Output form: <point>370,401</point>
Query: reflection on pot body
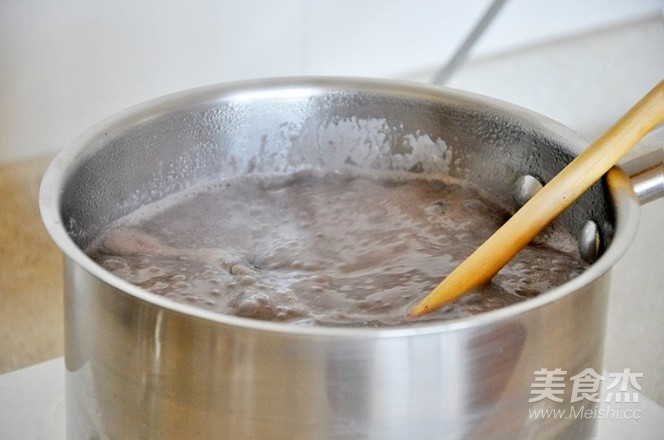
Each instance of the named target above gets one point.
<point>141,367</point>
<point>136,370</point>
<point>139,371</point>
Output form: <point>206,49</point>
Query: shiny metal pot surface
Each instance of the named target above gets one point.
<point>139,366</point>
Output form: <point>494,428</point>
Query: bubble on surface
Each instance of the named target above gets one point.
<point>317,248</point>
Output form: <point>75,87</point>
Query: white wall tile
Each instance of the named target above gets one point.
<point>65,64</point>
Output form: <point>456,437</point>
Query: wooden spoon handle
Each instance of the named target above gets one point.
<point>548,203</point>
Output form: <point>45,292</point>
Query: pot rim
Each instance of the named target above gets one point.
<point>625,202</point>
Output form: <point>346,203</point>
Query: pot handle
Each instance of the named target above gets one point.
<point>647,175</point>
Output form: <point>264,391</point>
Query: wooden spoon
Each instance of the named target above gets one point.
<point>548,203</point>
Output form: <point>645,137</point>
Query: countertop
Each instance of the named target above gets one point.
<point>31,322</point>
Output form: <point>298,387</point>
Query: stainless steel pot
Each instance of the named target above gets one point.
<point>140,366</point>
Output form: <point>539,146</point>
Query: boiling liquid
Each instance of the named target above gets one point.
<point>321,249</point>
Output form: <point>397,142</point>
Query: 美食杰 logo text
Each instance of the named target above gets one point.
<point>618,392</point>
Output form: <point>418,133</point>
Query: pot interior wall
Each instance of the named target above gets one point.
<point>182,142</point>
